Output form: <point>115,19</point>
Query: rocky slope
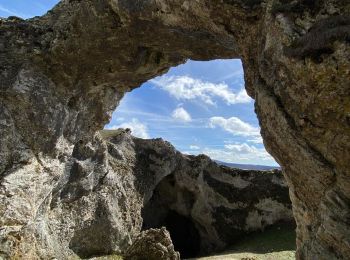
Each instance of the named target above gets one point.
<point>94,205</point>
<point>63,74</point>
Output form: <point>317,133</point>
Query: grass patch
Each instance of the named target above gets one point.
<point>274,239</point>
<point>275,243</point>
<point>110,133</point>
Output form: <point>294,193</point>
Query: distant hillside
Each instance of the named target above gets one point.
<point>248,166</point>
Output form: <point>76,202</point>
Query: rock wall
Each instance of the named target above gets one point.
<point>63,74</point>
<point>93,204</point>
<point>207,207</point>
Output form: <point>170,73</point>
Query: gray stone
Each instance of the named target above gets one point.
<point>153,244</point>
<point>64,73</point>
<point>93,204</point>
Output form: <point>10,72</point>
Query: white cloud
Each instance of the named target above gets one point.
<point>181,114</point>
<point>239,153</point>
<point>120,119</point>
<point>256,140</point>
<point>5,10</point>
<point>137,128</point>
<point>194,147</point>
<point>13,13</point>
<point>248,150</point>
<point>234,125</point>
<point>187,88</point>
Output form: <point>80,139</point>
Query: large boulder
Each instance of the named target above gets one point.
<point>152,244</point>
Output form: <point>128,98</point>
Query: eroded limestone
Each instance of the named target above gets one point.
<point>63,74</point>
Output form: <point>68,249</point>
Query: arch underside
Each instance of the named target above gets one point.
<point>64,73</point>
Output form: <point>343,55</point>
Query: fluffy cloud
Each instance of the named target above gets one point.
<point>187,88</point>
<point>239,153</point>
<point>234,125</point>
<point>137,128</point>
<point>194,147</point>
<point>181,114</point>
<point>256,140</point>
<point>248,150</point>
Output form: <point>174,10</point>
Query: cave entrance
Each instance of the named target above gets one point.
<point>162,210</point>
<point>184,234</point>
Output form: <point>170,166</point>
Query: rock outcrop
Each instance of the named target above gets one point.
<point>63,74</point>
<point>153,244</point>
<point>94,206</point>
<point>207,207</point>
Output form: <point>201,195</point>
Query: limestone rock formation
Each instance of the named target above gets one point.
<point>63,74</point>
<point>207,207</point>
<point>153,244</point>
<point>94,206</point>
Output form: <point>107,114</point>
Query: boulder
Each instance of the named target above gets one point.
<point>152,244</point>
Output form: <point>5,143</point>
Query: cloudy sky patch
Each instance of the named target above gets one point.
<point>215,117</point>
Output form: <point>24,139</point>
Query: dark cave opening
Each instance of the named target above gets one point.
<point>162,211</point>
<point>184,234</point>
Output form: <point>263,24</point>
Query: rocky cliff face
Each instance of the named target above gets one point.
<point>207,207</point>
<point>64,73</point>
<point>93,205</point>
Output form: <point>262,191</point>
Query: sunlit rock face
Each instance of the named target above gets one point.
<point>207,207</point>
<point>98,200</point>
<point>63,74</point>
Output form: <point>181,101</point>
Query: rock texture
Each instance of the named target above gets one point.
<point>64,73</point>
<point>93,206</point>
<point>207,207</point>
<point>153,244</point>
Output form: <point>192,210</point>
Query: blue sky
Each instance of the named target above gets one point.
<point>25,8</point>
<point>200,107</point>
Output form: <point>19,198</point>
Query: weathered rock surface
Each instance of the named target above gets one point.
<point>64,73</point>
<point>207,207</point>
<point>153,244</point>
<point>94,205</point>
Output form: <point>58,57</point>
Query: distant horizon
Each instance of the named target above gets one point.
<point>272,166</point>
<point>246,164</point>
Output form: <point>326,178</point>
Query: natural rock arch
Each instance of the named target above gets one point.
<point>64,73</point>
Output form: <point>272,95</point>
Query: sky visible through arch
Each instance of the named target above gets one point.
<point>200,107</point>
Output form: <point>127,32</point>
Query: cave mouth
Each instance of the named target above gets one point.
<point>183,233</point>
<point>161,211</point>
